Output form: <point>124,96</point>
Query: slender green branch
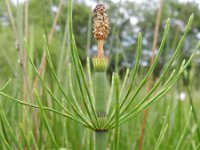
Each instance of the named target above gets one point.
<point>5,85</point>
<point>163,129</point>
<point>135,70</point>
<point>111,94</point>
<point>82,94</point>
<point>133,75</point>
<point>72,89</point>
<point>90,77</point>
<point>167,86</point>
<point>78,66</point>
<point>5,143</point>
<point>171,60</point>
<point>50,92</point>
<point>46,121</point>
<point>75,109</point>
<point>151,68</point>
<point>11,133</point>
<point>124,82</point>
<point>193,110</point>
<point>66,114</point>
<point>184,131</point>
<point>24,137</point>
<point>116,146</point>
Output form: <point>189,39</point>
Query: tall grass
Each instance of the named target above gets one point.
<point>68,114</point>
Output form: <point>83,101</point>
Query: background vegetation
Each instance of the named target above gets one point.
<point>171,124</point>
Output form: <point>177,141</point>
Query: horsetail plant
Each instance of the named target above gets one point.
<point>94,111</point>
<point>100,63</point>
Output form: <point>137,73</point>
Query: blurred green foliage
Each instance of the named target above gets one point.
<point>121,46</point>
<point>41,15</point>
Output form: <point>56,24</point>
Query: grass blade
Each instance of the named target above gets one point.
<point>46,121</point>
<point>184,131</point>
<point>7,125</point>
<point>163,130</point>
<point>8,147</point>
<point>24,137</point>
<point>5,85</point>
<point>34,142</point>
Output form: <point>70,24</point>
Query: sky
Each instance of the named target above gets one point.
<point>116,1</point>
<point>140,1</point>
<point>92,4</point>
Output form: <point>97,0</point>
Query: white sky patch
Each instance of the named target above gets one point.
<point>54,9</point>
<point>93,4</point>
<point>182,96</point>
<point>124,12</point>
<point>135,1</point>
<point>198,35</point>
<point>90,3</point>
<point>117,1</point>
<point>185,1</point>
<point>147,1</point>
<point>133,21</point>
<point>18,1</point>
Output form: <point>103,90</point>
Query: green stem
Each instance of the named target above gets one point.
<point>100,105</point>
<point>101,140</point>
<point>100,84</point>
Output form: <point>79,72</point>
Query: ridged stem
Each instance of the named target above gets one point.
<point>100,105</point>
<point>101,140</point>
<point>100,63</point>
<point>100,93</point>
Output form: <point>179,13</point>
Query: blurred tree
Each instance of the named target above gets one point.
<point>126,20</point>
<point>80,25</point>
